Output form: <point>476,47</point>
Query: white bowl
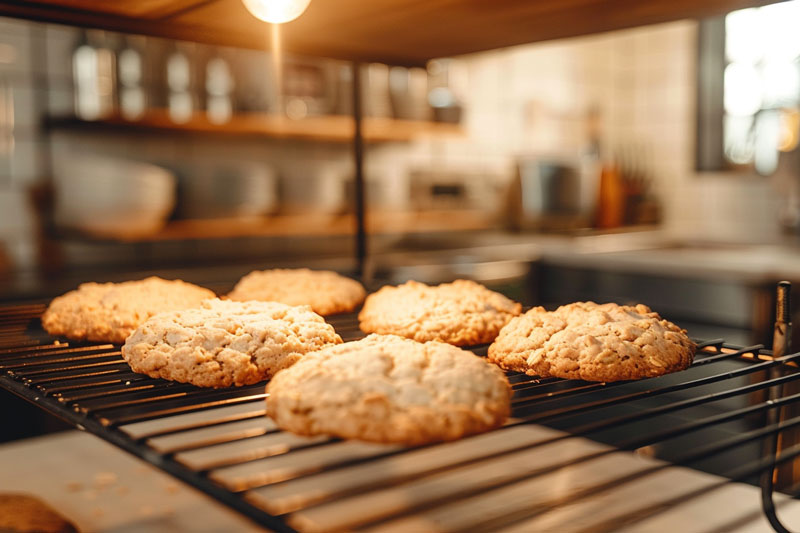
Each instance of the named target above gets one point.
<point>112,197</point>
<point>233,189</point>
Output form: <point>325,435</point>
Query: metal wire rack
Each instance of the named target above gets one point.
<point>726,415</point>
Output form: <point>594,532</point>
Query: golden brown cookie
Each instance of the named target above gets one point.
<point>462,313</point>
<point>223,343</point>
<point>389,389</point>
<point>109,312</point>
<point>593,342</point>
<point>325,291</point>
<point>21,513</point>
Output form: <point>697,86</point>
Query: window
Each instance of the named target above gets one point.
<point>756,53</point>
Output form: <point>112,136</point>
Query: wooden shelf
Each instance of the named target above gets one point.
<point>309,225</point>
<point>327,128</point>
<point>403,32</point>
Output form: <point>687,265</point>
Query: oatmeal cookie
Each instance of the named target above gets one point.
<point>325,291</point>
<point>109,312</point>
<point>462,313</point>
<point>390,389</point>
<point>593,342</point>
<point>223,343</point>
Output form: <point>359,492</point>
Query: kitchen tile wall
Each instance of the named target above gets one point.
<point>19,153</point>
<point>642,81</point>
<point>520,100</point>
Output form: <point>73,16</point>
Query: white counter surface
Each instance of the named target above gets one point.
<point>645,252</point>
<point>103,489</point>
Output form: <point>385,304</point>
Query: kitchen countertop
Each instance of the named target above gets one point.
<point>101,488</point>
<point>649,251</point>
<point>743,262</point>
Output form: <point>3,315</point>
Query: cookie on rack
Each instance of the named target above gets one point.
<point>593,342</point>
<point>325,291</point>
<point>462,313</point>
<point>22,513</point>
<point>223,343</point>
<point>390,389</point>
<point>109,312</point>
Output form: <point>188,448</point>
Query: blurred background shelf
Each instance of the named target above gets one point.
<point>305,225</point>
<point>324,128</point>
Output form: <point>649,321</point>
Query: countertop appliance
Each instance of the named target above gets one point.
<point>551,193</point>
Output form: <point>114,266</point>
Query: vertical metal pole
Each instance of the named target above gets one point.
<point>782,338</point>
<point>358,154</point>
<point>781,342</point>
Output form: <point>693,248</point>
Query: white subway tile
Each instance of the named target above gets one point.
<point>15,48</point>
<point>23,165</point>
<point>16,216</point>
<point>60,100</point>
<point>60,41</point>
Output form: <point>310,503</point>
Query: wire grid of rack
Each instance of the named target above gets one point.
<point>219,440</point>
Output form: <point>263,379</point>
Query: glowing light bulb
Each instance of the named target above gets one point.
<point>276,11</point>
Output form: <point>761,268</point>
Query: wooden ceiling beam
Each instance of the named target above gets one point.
<point>404,32</point>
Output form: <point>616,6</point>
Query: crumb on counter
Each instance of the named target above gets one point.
<point>104,479</point>
<point>74,486</point>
